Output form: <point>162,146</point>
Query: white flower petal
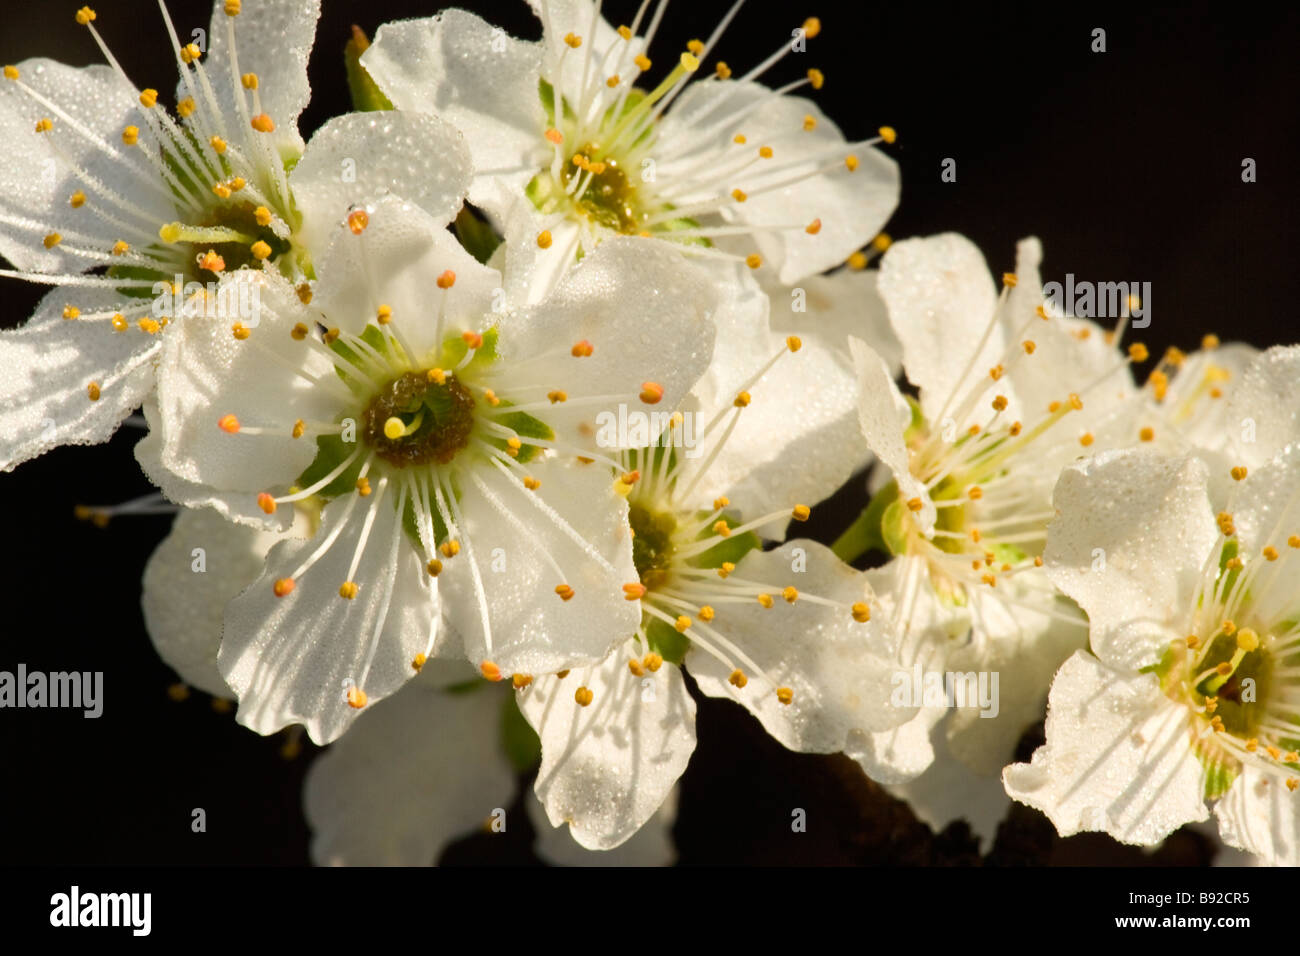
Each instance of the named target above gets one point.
<point>941,299</point>
<point>608,766</point>
<point>949,790</point>
<point>652,845</point>
<point>414,156</point>
<point>416,772</point>
<point>205,374</point>
<point>840,670</point>
<point>1258,814</point>
<point>883,417</point>
<point>184,606</point>
<point>648,317</point>
<point>273,38</point>
<point>1117,757</point>
<point>521,543</point>
<point>292,659</point>
<point>396,262</point>
<point>1263,409</point>
<point>851,206</point>
<point>38,183</point>
<point>47,367</point>
<point>901,753</point>
<point>804,410</point>
<point>1131,533</point>
<point>478,79</point>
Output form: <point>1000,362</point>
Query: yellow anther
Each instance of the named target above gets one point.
<point>520,681</point>
<point>513,446</point>
<point>861,612</point>
<point>766,601</point>
<point>1075,402</point>
<point>446,279</point>
<point>85,15</point>
<point>564,591</point>
<point>1138,352</point>
<point>1147,434</point>
<point>450,548</point>
<point>544,239</point>
<point>92,391</point>
<point>739,195</point>
<point>612,81</point>
<point>356,698</point>
<point>625,32</point>
<point>384,314</point>
<point>11,72</point>
<point>682,623</point>
<point>262,215</point>
<point>266,502</point>
<point>178,692</point>
<point>299,428</point>
<point>237,184</point>
<point>573,40</point>
<point>185,108</point>
<point>260,250</point>
<point>1210,342</point>
<point>119,322</point>
<point>52,240</point>
<point>71,312</point>
<point>418,662</point>
<point>583,696</point>
<point>888,134</point>
<point>222,190</point>
<point>816,78</point>
<point>1029,345</point>
<point>696,47</point>
<point>1041,312</point>
<point>190,53</point>
<point>790,593</point>
<point>651,393</point>
<point>557,395</point>
<point>811,27</point>
<point>433,567</point>
<point>721,502</point>
<point>1239,473</point>
<point>362,485</point>
<point>915,504</point>
<point>1224,669</point>
<point>726,569</point>
<point>1086,439</point>
<point>857,261</point>
<point>437,376</point>
<point>785,695</point>
<point>800,513</point>
<point>1000,403</point>
<point>989,579</point>
<point>723,71</point>
<point>228,424</point>
<point>739,139</point>
<point>249,81</point>
<point>1293,541</point>
<point>299,332</point>
<point>753,260</point>
<point>1247,640</point>
<point>738,678</point>
<point>707,613</point>
<point>554,135</point>
<point>689,62</point>
<point>722,529</point>
<point>348,590</point>
<point>813,227</point>
<point>765,152</point>
<point>652,661</point>
<point>262,123</point>
<point>490,670</point>
<point>742,400</point>
<point>636,667</point>
<point>240,331</point>
<point>851,162</point>
<point>232,8</point>
<point>394,428</point>
<point>1192,642</point>
<point>150,326</point>
<point>531,483</point>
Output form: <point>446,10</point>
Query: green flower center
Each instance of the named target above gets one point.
<point>653,547</point>
<point>416,421</point>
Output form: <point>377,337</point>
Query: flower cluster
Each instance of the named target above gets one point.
<point>497,404</point>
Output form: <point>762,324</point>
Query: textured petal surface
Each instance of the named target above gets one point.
<point>1132,531</point>
<point>416,772</point>
<point>607,767</point>
<point>293,659</point>
<point>1117,757</point>
<point>47,367</point>
<point>652,845</point>
<point>362,157</point>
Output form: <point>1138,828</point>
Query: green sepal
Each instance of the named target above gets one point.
<point>665,640</point>
<point>476,235</point>
<point>366,96</point>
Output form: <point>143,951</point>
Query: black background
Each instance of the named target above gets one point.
<point>1126,163</point>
